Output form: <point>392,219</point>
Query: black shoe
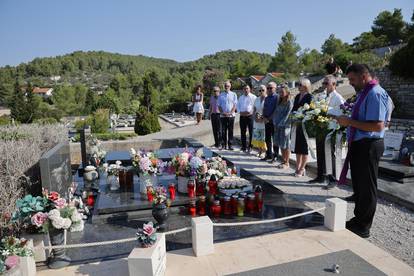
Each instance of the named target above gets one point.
<point>249,150</point>
<point>331,185</point>
<point>316,180</point>
<point>243,149</point>
<point>356,229</point>
<point>230,148</point>
<point>350,198</point>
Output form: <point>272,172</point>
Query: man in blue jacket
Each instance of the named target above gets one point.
<point>269,107</point>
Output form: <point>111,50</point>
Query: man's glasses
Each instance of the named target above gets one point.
<point>262,90</point>
<point>325,83</point>
<point>269,88</point>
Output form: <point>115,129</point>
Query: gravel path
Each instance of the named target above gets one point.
<point>393,226</point>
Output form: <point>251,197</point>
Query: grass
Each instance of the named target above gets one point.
<point>108,136</point>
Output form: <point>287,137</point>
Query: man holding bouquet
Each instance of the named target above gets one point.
<point>365,134</point>
<point>334,101</point>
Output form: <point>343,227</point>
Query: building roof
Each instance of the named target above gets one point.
<point>276,74</point>
<point>41,90</point>
<point>258,77</point>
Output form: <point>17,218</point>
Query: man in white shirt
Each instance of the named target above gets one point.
<point>334,100</point>
<point>245,107</point>
<point>227,104</point>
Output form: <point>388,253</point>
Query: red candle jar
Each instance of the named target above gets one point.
<point>171,190</point>
<point>91,200</point>
<point>216,209</point>
<point>192,209</point>
<point>258,193</point>
<point>234,203</point>
<point>200,187</point>
<point>212,185</point>
<point>227,208</point>
<point>191,188</point>
<point>234,170</point>
<point>202,206</point>
<point>150,195</point>
<point>251,203</point>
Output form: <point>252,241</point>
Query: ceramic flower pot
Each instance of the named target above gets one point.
<point>58,258</point>
<point>160,213</point>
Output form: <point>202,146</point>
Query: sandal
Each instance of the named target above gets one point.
<point>283,166</point>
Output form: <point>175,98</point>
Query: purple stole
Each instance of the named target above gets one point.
<point>352,130</point>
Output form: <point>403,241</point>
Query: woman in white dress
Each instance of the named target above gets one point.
<point>258,140</point>
<point>198,108</point>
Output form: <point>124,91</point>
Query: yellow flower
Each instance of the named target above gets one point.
<point>312,105</point>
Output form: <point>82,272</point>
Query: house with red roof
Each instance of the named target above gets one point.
<point>257,80</point>
<point>44,92</point>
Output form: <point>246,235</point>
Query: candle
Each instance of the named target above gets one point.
<point>216,209</point>
<point>240,207</point>
<point>171,190</point>
<point>192,209</point>
<point>202,206</point>
<point>191,188</point>
<point>227,206</point>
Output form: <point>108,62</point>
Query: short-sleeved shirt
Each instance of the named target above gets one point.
<point>214,104</point>
<point>227,101</point>
<point>246,103</point>
<point>375,107</point>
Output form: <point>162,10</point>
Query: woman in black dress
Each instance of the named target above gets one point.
<point>301,147</point>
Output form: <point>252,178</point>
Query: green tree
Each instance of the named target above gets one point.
<point>90,102</point>
<point>286,58</point>
<point>333,46</point>
<point>18,104</point>
<point>312,61</point>
<point>410,28</point>
<point>211,78</point>
<point>367,41</point>
<point>109,101</point>
<point>150,94</point>
<point>146,122</point>
<point>389,24</point>
<point>32,105</point>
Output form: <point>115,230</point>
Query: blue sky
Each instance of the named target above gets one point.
<point>181,30</point>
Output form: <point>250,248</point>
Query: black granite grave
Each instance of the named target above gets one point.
<point>349,264</point>
<point>117,215</point>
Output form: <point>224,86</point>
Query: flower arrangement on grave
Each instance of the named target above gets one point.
<point>113,169</point>
<point>50,210</point>
<point>96,151</point>
<point>146,162</point>
<point>216,166</point>
<point>11,249</point>
<point>147,234</point>
<point>180,164</point>
<point>198,167</point>
<point>160,196</point>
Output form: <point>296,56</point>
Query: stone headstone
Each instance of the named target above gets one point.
<point>55,168</point>
<point>393,140</point>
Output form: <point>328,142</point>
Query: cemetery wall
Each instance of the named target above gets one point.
<point>401,91</point>
<point>403,125</point>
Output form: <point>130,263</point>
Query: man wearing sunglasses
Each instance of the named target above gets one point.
<point>269,107</point>
<point>227,105</point>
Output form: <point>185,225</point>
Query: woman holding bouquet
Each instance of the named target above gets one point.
<point>258,140</point>
<point>281,122</point>
<point>300,146</point>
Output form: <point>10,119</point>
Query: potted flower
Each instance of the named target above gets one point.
<point>53,214</point>
<point>148,166</point>
<point>180,164</point>
<point>146,235</point>
<point>16,257</point>
<point>113,175</point>
<point>160,206</point>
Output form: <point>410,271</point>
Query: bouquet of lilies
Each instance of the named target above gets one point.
<point>146,162</point>
<point>315,116</point>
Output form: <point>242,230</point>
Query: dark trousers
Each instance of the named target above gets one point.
<point>246,122</point>
<point>227,124</point>
<point>272,149</point>
<point>320,155</point>
<point>216,125</point>
<point>364,158</point>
